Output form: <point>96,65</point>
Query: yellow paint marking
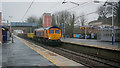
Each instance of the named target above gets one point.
<point>35,50</point>
<point>3,29</point>
<point>38,52</point>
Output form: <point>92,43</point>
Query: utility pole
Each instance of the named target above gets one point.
<point>85,32</point>
<point>70,2</point>
<point>11,30</point>
<point>112,26</point>
<point>64,29</point>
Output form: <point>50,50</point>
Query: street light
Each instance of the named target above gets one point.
<point>112,19</point>
<point>63,2</point>
<point>11,29</point>
<point>70,2</point>
<point>112,26</point>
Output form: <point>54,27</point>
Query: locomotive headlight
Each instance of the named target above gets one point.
<point>49,37</point>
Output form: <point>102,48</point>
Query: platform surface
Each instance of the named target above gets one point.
<point>18,54</point>
<point>25,53</point>
<point>93,43</point>
<point>0,54</point>
<point>55,58</point>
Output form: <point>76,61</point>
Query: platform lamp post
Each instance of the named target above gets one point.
<point>85,32</point>
<point>112,18</point>
<point>11,29</point>
<point>62,30</point>
<point>112,26</point>
<point>70,2</point>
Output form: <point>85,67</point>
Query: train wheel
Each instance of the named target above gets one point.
<point>47,41</point>
<point>59,42</point>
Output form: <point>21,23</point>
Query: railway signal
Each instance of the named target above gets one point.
<point>82,27</point>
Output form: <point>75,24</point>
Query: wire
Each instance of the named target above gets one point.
<point>66,9</point>
<point>27,9</point>
<point>55,5</point>
<point>89,13</point>
<point>86,14</point>
<point>76,6</point>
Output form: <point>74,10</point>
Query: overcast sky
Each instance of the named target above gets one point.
<point>17,8</point>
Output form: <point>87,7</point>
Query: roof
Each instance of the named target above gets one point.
<point>95,22</point>
<point>39,29</point>
<point>51,27</point>
<point>46,28</point>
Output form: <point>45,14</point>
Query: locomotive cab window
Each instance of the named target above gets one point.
<point>57,31</point>
<point>51,31</point>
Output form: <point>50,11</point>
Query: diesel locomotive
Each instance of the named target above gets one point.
<point>46,35</point>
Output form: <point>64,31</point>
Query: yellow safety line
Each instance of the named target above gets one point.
<point>36,51</point>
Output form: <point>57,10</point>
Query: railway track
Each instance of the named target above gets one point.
<point>87,60</point>
<point>95,61</point>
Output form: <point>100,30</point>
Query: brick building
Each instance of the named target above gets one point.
<point>46,20</point>
<point>0,29</point>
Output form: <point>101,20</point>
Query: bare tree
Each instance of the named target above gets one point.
<point>40,22</point>
<point>32,19</point>
<point>101,11</point>
<point>72,22</point>
<point>65,20</point>
<point>83,20</point>
<point>53,20</point>
<point>62,18</point>
<point>118,14</point>
<point>106,10</point>
<point>105,13</point>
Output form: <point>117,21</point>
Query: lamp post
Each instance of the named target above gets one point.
<point>112,26</point>
<point>70,2</point>
<point>112,19</point>
<point>62,30</point>
<point>85,33</point>
<point>11,30</point>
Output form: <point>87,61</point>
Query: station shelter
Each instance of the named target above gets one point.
<point>4,34</point>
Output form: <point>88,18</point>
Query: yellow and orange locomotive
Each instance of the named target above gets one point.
<point>52,33</point>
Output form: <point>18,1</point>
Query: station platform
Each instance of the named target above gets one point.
<point>18,54</point>
<point>25,53</point>
<point>0,54</point>
<point>92,43</point>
